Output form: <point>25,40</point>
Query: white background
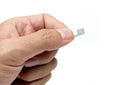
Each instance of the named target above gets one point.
<point>91,59</point>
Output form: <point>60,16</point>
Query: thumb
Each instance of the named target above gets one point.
<point>17,51</point>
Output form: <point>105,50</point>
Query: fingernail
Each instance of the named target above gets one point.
<point>66,34</point>
<point>32,62</point>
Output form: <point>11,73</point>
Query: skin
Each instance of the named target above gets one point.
<point>27,48</point>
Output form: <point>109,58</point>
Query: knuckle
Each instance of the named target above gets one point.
<point>51,39</point>
<point>47,35</point>
<point>50,35</point>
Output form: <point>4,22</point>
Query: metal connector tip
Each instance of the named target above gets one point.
<point>79,32</point>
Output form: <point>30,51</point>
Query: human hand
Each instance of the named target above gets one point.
<point>30,41</point>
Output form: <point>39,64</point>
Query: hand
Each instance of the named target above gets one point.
<point>30,41</point>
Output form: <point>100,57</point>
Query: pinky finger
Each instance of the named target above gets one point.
<point>41,81</point>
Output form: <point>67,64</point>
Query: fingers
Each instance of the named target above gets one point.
<point>41,81</point>
<point>32,23</point>
<point>40,59</point>
<point>23,48</point>
<point>44,21</point>
<point>20,49</point>
<point>37,72</point>
<point>26,38</point>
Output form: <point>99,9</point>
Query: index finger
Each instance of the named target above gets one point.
<point>45,21</point>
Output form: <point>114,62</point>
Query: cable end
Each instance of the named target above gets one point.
<point>79,32</point>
